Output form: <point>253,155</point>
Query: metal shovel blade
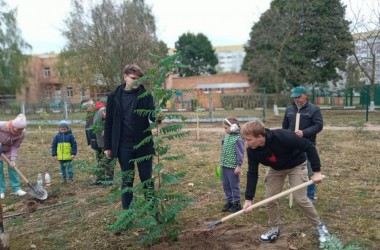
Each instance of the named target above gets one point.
<point>212,224</point>
<point>37,192</point>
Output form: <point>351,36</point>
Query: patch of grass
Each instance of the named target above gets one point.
<point>16,221</point>
<point>347,199</point>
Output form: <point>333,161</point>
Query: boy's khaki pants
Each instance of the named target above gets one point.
<point>274,182</point>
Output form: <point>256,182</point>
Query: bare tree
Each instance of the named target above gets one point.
<point>104,37</point>
<point>365,26</point>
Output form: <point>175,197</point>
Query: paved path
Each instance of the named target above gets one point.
<point>366,128</point>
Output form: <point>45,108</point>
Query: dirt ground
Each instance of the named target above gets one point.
<point>230,236</point>
<point>82,221</point>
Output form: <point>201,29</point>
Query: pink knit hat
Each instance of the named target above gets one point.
<point>19,122</point>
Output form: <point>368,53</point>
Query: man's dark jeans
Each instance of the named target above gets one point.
<point>125,155</point>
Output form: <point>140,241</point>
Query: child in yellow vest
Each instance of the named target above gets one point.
<point>64,149</point>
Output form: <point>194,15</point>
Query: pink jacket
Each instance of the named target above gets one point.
<point>11,143</point>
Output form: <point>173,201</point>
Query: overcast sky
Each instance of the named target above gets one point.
<point>223,22</point>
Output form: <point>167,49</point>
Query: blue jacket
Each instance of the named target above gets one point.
<point>64,146</point>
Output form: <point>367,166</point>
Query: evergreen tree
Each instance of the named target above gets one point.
<point>298,42</point>
<point>197,53</point>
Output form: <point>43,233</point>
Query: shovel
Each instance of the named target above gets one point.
<point>212,224</point>
<point>36,191</point>
<point>4,237</point>
<point>298,115</point>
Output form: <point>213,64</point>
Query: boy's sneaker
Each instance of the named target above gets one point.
<point>323,233</point>
<point>71,179</point>
<point>270,236</point>
<point>235,207</point>
<point>227,206</point>
<point>63,181</point>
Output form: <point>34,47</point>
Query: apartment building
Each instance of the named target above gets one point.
<point>230,58</point>
<point>367,47</point>
<point>44,85</point>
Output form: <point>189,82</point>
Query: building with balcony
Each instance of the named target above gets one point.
<point>367,50</point>
<point>230,58</point>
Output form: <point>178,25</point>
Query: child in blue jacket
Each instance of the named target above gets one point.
<point>64,148</point>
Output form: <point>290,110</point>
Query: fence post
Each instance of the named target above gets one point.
<point>23,108</point>
<point>210,107</point>
<point>65,110</point>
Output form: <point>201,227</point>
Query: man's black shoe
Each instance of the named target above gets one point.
<point>227,206</point>
<point>236,206</point>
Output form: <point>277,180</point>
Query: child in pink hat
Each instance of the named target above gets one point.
<point>12,133</point>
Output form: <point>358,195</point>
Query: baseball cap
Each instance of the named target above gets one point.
<point>297,91</point>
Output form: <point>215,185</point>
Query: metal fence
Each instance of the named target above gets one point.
<point>244,106</point>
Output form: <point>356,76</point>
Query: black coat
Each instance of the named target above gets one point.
<point>311,121</point>
<point>113,121</point>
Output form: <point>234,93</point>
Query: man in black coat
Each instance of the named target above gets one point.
<point>124,129</point>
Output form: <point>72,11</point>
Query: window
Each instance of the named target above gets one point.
<point>69,92</point>
<point>82,93</point>
<point>57,95</point>
<point>46,72</point>
<point>207,91</point>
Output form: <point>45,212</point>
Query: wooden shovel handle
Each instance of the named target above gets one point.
<point>297,122</point>
<point>274,197</point>
<point>15,168</point>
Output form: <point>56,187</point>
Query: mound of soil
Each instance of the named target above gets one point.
<point>228,236</point>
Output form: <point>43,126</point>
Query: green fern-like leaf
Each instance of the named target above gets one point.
<point>174,157</point>
<point>143,142</point>
<point>164,150</point>
<point>142,158</point>
<point>170,178</point>
<point>158,167</point>
<point>177,135</point>
<point>143,112</point>
<point>171,128</point>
